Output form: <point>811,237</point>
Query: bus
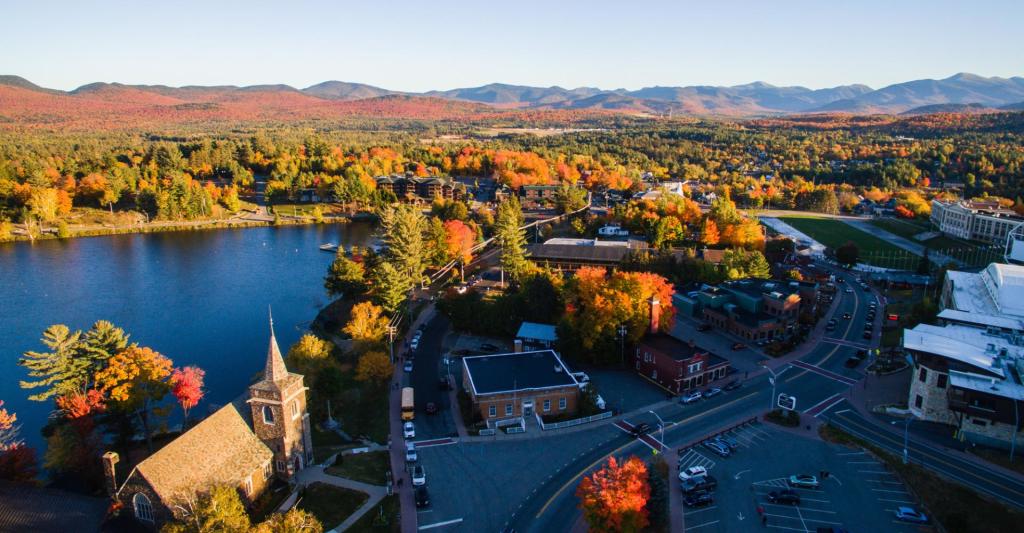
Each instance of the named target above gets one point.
<point>408,407</point>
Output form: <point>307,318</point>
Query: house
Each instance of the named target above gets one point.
<point>25,507</point>
<point>259,436</point>
<point>677,366</point>
<point>536,195</point>
<point>534,336</point>
<point>520,384</point>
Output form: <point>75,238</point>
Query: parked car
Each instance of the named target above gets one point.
<point>431,408</point>
<point>415,344</point>
<point>692,472</point>
<point>833,321</point>
<point>909,514</point>
<point>706,483</point>
<point>848,290</point>
<point>787,496</point>
<point>600,403</point>
<point>704,327</point>
<point>846,316</point>
<point>806,481</point>
<point>733,385</point>
<point>407,366</point>
<point>422,496</point>
<point>861,354</point>
<point>640,429</point>
<point>852,362</point>
<point>738,346</point>
<point>732,443</point>
<point>409,430</point>
<point>690,397</point>
<point>718,448</point>
<point>698,499</point>
<point>416,336</point>
<point>488,347</point>
<point>830,327</point>
<point>410,453</point>
<point>711,393</point>
<point>419,476</point>
<point>867,335</point>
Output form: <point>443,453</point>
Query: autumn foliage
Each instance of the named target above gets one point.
<point>187,386</point>
<point>459,238</point>
<point>614,498</point>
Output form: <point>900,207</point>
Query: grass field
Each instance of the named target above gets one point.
<point>369,467</point>
<point>331,505</point>
<point>382,519</point>
<point>902,228</point>
<point>835,233</point>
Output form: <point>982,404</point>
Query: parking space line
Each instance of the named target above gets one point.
<point>863,463</point>
<point>700,510</point>
<point>440,524</point>
<point>789,528</point>
<point>853,453</point>
<point>887,490</point>
<point>895,501</point>
<point>883,481</point>
<point>705,524</point>
<point>875,472</point>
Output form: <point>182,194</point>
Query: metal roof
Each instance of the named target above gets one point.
<point>536,331</point>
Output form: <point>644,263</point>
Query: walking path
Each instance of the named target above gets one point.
<point>316,474</point>
<point>895,240</point>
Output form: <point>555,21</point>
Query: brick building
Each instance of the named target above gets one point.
<point>677,366</point>
<point>756,309</point>
<point>510,385</point>
<point>244,444</point>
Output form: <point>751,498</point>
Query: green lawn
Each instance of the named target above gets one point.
<point>369,467</point>
<point>900,227</point>
<point>331,505</point>
<point>383,518</point>
<point>835,233</point>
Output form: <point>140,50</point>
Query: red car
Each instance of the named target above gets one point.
<point>739,346</point>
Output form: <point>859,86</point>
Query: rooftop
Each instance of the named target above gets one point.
<point>1009,388</point>
<point>541,332</point>
<point>669,345</point>
<point>996,290</point>
<point>573,252</point>
<point>969,345</point>
<point>28,508</point>
<point>982,320</point>
<point>507,372</point>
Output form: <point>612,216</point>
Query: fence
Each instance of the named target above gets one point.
<point>574,422</point>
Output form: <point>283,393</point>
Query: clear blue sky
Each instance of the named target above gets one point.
<point>438,44</point>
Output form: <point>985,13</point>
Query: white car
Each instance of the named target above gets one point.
<point>599,402</point>
<point>410,453</point>
<point>407,366</point>
<point>909,514</point>
<point>692,472</point>
<point>691,397</point>
<point>419,476</point>
<point>415,344</point>
<point>848,291</point>
<point>409,430</point>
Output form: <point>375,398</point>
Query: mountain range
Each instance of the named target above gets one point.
<point>24,101</point>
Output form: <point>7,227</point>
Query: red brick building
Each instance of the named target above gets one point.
<point>677,366</point>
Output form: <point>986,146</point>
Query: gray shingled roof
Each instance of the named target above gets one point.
<point>28,508</point>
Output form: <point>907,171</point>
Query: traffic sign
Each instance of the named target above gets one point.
<point>787,402</point>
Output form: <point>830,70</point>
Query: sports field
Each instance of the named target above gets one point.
<point>835,233</point>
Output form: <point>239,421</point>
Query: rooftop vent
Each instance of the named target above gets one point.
<point>558,368</point>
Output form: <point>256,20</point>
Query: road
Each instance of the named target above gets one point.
<point>819,381</point>
<point>424,380</point>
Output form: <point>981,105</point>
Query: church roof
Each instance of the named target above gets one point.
<point>28,508</point>
<point>222,449</point>
<point>275,369</point>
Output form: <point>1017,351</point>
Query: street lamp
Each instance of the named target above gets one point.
<point>661,423</point>
<point>622,345</point>
<point>774,377</point>
<point>906,434</point>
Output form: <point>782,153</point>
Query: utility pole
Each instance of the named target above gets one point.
<point>772,380</point>
<point>391,341</point>
<point>622,345</point>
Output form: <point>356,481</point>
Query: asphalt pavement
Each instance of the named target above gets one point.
<point>427,368</point>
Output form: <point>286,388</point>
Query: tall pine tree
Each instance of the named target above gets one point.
<point>511,238</point>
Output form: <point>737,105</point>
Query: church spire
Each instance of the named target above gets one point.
<point>275,369</point>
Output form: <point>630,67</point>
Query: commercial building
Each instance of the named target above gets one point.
<point>975,220</point>
<point>675,365</point>
<point>412,188</point>
<point>570,254</point>
<point>512,385</point>
<point>998,290</point>
<point>751,309</point>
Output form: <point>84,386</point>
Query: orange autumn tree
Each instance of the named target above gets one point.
<point>614,498</point>
<point>133,380</point>
<point>459,239</point>
<point>710,235</point>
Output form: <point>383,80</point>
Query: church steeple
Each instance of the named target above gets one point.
<point>275,369</point>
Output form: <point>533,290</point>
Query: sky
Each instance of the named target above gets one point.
<point>441,44</point>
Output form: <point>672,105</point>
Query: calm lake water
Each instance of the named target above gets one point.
<point>197,297</point>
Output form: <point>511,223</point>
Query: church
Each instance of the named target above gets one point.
<point>258,436</point>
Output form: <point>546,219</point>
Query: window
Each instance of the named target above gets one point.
<point>654,374</point>
<point>547,405</point>
<point>267,471</point>
<point>508,409</point>
<point>638,365</point>
<point>561,404</point>
<point>280,466</point>
<point>695,368</point>
<point>295,409</point>
<point>918,401</point>
<point>923,376</point>
<point>941,381</point>
<point>268,414</point>
<point>492,411</point>
<point>248,487</point>
<point>143,509</point>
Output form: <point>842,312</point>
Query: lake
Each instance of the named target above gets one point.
<point>200,298</point>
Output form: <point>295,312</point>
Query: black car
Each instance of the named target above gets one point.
<point>422,496</point>
<point>698,499</point>
<point>704,327</point>
<point>788,496</point>
<point>852,362</point>
<point>867,335</point>
<point>640,429</point>
<point>698,484</point>
<point>861,354</point>
<point>732,385</point>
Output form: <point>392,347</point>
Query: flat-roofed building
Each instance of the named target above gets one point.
<point>975,220</point>
<point>511,385</point>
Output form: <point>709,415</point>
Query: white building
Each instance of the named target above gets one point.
<point>998,290</point>
<point>979,221</point>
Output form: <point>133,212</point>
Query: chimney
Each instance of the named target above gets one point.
<point>109,472</point>
<point>518,345</point>
<point>655,314</point>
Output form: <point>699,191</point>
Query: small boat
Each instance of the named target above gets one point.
<point>329,247</point>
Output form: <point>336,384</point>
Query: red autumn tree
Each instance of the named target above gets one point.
<point>76,406</point>
<point>187,387</point>
<point>614,497</point>
<point>459,238</point>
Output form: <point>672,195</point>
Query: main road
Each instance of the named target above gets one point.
<point>819,380</point>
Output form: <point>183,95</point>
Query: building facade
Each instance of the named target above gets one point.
<point>974,220</point>
<point>755,309</point>
<point>511,385</point>
<point>413,188</point>
<point>677,366</point>
<point>260,435</point>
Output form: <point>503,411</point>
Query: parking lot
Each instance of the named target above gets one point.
<point>857,494</point>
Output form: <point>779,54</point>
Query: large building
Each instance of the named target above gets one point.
<point>675,365</point>
<point>751,309</point>
<point>244,444</point>
<point>412,188</point>
<point>974,220</point>
<point>570,254</point>
<point>511,385</point>
<point>967,370</point>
